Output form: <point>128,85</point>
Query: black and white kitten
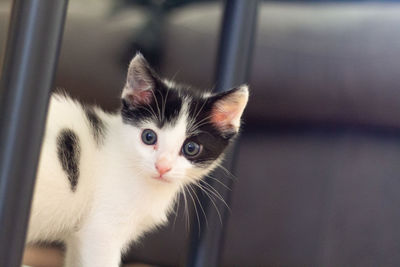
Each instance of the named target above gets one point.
<point>105,179</point>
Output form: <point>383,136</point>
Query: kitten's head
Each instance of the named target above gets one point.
<point>179,134</point>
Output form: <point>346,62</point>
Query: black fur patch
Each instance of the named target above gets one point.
<point>97,126</point>
<point>206,134</point>
<point>163,109</point>
<point>69,150</point>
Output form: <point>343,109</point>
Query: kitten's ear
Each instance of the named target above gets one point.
<point>140,82</point>
<point>228,109</point>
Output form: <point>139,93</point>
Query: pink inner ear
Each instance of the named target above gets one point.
<point>223,116</point>
<point>141,97</point>
<point>227,111</point>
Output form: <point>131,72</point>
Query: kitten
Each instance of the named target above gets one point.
<point>106,179</point>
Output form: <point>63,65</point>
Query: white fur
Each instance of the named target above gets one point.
<point>116,199</point>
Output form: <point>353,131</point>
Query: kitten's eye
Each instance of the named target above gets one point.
<point>191,149</point>
<point>149,137</point>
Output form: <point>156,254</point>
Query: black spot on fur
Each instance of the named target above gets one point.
<point>97,126</point>
<point>68,150</point>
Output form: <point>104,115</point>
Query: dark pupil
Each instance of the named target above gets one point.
<point>149,137</point>
<point>191,147</point>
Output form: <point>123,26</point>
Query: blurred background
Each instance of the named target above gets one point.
<point>318,166</point>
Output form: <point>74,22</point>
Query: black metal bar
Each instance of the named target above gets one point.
<point>235,51</point>
<point>30,60</point>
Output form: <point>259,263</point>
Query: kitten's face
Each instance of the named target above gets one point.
<point>179,135</point>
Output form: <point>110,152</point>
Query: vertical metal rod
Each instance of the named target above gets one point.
<point>30,60</point>
<point>235,51</point>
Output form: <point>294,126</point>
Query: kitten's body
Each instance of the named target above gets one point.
<point>105,175</point>
<point>97,186</point>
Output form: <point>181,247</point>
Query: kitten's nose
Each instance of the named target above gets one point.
<point>163,166</point>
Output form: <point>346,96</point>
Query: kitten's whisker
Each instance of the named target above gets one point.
<point>165,101</point>
<point>174,76</point>
<point>214,192</point>
<point>178,200</point>
<point>201,108</point>
<point>227,172</point>
<point>224,185</point>
<point>201,124</point>
<point>212,201</point>
<point>201,206</point>
<point>158,107</point>
<point>195,108</point>
<point>162,106</point>
<point>217,195</point>
<point>151,111</point>
<point>196,125</point>
<point>186,211</point>
<point>205,118</point>
<point>193,128</point>
<point>195,209</point>
<point>209,188</point>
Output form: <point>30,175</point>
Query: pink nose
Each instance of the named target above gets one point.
<point>162,167</point>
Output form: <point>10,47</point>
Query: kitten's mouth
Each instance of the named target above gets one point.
<point>161,179</point>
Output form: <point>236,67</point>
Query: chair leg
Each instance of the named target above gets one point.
<point>29,65</point>
<point>235,51</point>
